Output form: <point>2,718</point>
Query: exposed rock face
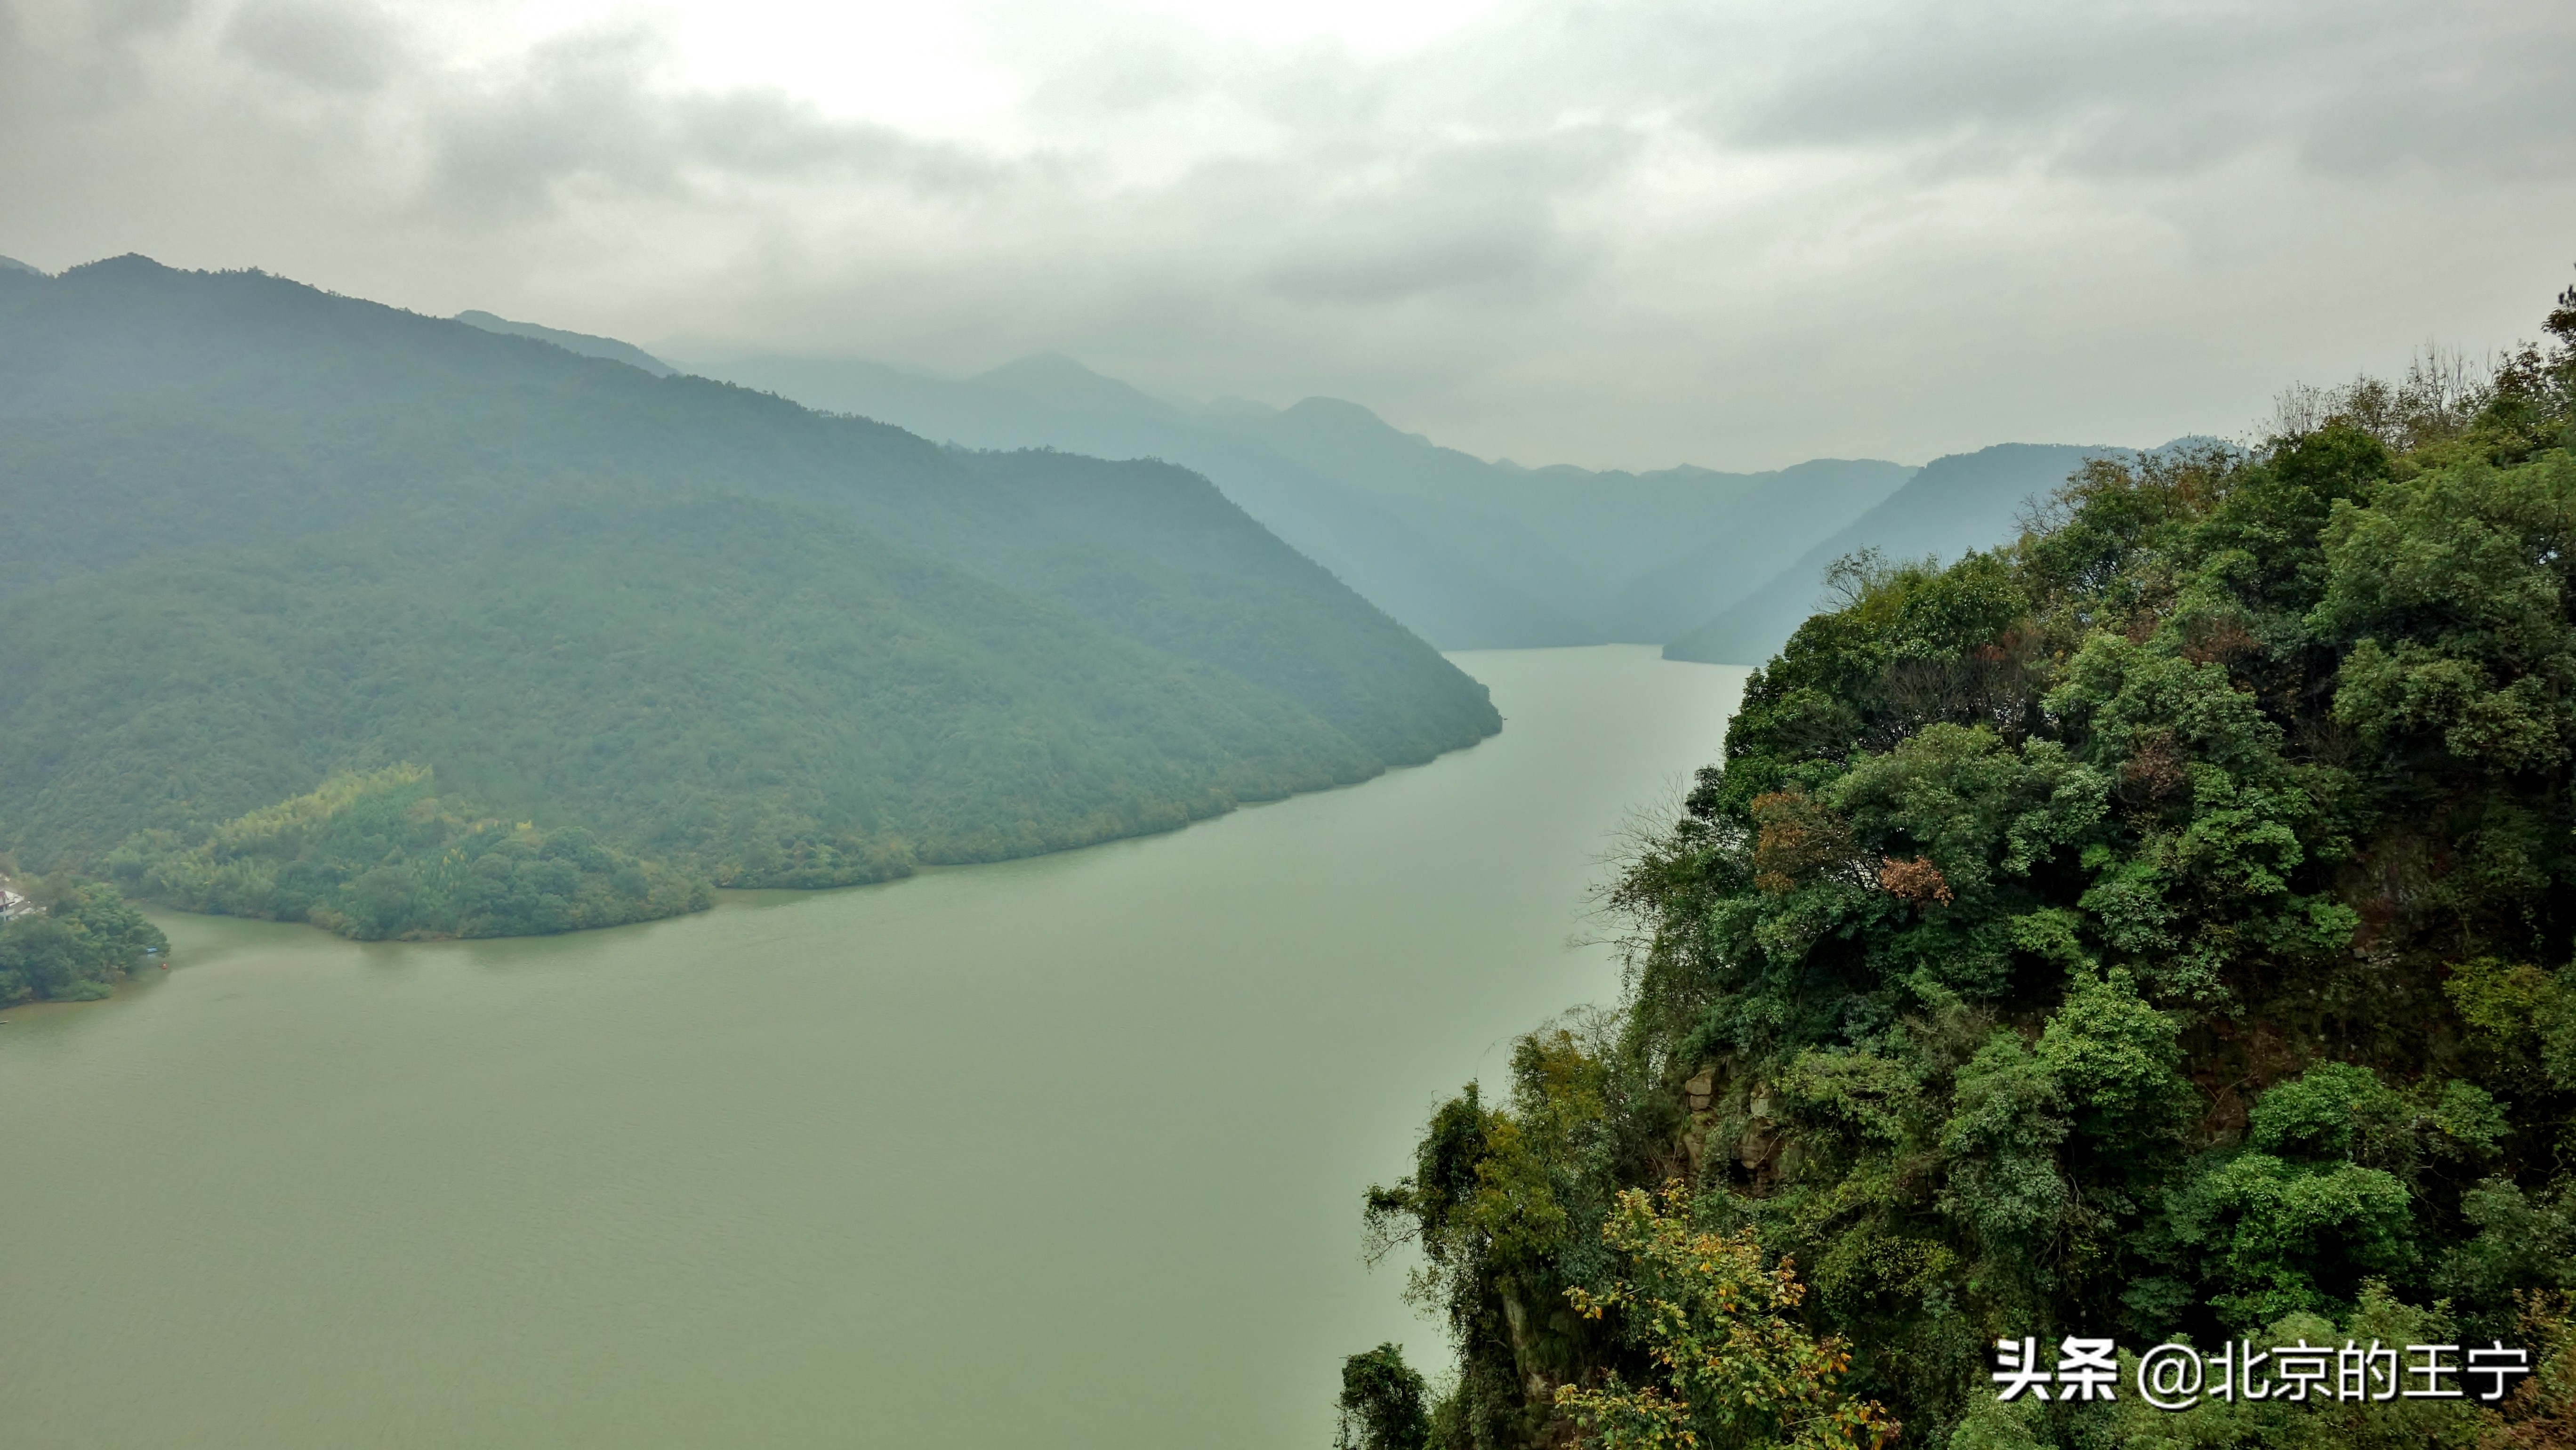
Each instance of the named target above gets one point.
<point>1742,1118</point>
<point>1761,1140</point>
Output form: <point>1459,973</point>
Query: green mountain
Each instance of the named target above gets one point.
<point>262,539</point>
<point>1467,553</point>
<point>2161,926</point>
<point>1957,503</point>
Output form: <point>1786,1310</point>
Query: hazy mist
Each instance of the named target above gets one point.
<point>1616,235</point>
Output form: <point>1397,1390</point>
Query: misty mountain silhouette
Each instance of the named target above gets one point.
<point>1059,382</point>
<point>574,342</point>
<point>1414,576</point>
<point>1466,553</point>
<point>1957,503</point>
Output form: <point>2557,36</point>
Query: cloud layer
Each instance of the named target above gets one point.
<point>1612,234</point>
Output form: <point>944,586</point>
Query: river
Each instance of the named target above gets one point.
<point>1060,1152</point>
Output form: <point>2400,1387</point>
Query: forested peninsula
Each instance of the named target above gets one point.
<point>2159,927</point>
<point>71,941</point>
<point>319,610</point>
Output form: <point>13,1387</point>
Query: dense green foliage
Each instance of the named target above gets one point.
<point>379,855</point>
<point>762,696</point>
<point>262,538</point>
<point>1384,1404</point>
<point>72,942</point>
<point>1718,1326</point>
<point>2158,927</point>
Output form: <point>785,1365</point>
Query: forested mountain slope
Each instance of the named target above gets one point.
<point>1957,503</point>
<point>2157,926</point>
<point>1470,554</point>
<point>636,631</point>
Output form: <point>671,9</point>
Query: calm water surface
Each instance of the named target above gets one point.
<point>1064,1152</point>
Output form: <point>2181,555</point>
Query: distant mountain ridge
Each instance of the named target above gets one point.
<point>1437,591</point>
<point>1467,553</point>
<point>1473,554</point>
<point>1961,502</point>
<point>574,342</point>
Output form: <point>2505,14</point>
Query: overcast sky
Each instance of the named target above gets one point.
<point>1620,235</point>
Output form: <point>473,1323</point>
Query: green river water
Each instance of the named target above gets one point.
<point>1062,1152</point>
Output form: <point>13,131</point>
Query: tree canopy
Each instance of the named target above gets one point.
<point>72,942</point>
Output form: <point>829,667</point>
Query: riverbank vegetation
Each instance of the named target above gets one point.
<point>380,855</point>
<point>72,942</point>
<point>2160,926</point>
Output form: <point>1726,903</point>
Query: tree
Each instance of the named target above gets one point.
<point>1737,1368</point>
<point>73,943</point>
<point>1383,1406</point>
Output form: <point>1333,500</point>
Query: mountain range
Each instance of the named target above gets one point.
<point>1466,553</point>
<point>312,607</point>
<point>1470,553</point>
